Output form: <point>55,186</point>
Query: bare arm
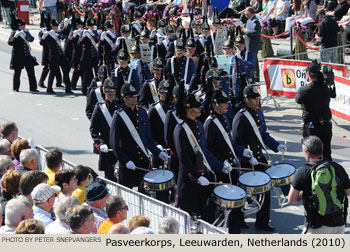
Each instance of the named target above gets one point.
<point>294,195</point>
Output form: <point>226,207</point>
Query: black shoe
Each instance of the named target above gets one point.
<point>16,90</point>
<point>34,91</point>
<point>59,85</point>
<point>267,228</point>
<point>69,92</point>
<point>74,88</point>
<point>42,85</point>
<point>50,91</point>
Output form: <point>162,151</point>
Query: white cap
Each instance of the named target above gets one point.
<point>42,192</point>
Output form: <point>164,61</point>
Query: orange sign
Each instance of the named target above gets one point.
<point>288,78</point>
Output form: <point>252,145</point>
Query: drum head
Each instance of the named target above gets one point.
<point>229,192</point>
<point>254,179</point>
<point>280,171</point>
<point>158,176</point>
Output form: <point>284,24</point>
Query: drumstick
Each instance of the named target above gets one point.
<point>229,174</point>
<point>260,163</point>
<point>285,143</point>
<point>250,158</point>
<point>142,169</point>
<point>215,183</point>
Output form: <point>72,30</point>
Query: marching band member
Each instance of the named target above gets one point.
<point>130,138</point>
<point>149,88</point>
<point>57,58</point>
<point>219,142</point>
<point>196,163</point>
<point>180,66</point>
<point>20,55</point>
<point>89,55</point>
<point>249,129</point>
<point>241,71</point>
<point>75,36</point>
<point>106,45</point>
<point>101,121</point>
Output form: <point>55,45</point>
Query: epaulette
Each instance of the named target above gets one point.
<point>171,110</point>
<point>100,103</point>
<point>212,117</point>
<point>140,108</point>
<point>118,111</point>
<point>242,110</point>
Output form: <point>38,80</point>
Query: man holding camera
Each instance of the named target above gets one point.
<point>314,99</point>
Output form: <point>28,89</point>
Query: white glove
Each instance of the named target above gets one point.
<point>66,22</point>
<point>26,30</point>
<point>247,153</point>
<point>281,148</point>
<point>31,143</point>
<point>239,55</point>
<point>227,168</point>
<point>130,165</point>
<point>253,161</point>
<point>203,181</point>
<point>163,156</point>
<point>104,148</point>
<point>160,147</point>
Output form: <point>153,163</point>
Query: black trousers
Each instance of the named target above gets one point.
<point>75,77</point>
<point>54,69</point>
<point>87,78</point>
<point>106,163</point>
<point>44,74</point>
<point>256,68</point>
<point>324,132</point>
<point>31,76</point>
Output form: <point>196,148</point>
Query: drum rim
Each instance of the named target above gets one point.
<point>158,183</point>
<point>295,169</point>
<point>245,194</point>
<point>257,185</point>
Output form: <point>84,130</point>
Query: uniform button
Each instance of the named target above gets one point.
<point>258,120</point>
<point>230,158</point>
<point>139,153</point>
<point>199,141</point>
<point>259,157</point>
<point>137,147</point>
<point>137,121</point>
<point>137,114</point>
<point>199,134</point>
<point>258,146</point>
<point>230,152</point>
<point>258,127</point>
<point>258,152</point>
<point>141,158</point>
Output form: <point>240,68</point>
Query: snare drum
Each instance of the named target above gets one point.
<point>159,180</point>
<point>281,174</point>
<point>255,181</point>
<point>229,196</point>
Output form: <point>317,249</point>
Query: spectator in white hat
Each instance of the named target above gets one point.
<point>44,197</point>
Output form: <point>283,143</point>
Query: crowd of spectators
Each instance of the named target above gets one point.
<point>56,201</point>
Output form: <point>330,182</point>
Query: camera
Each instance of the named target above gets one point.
<point>328,78</point>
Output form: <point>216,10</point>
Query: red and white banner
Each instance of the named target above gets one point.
<point>284,77</point>
<point>340,106</point>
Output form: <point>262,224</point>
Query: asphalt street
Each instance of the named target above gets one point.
<point>59,120</point>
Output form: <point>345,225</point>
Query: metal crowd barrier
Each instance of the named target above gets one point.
<point>140,204</point>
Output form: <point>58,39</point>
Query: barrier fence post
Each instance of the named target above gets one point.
<point>291,39</point>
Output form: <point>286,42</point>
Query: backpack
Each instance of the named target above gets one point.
<point>324,189</point>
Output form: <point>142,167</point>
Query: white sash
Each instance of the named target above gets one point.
<point>152,87</point>
<point>194,143</point>
<point>186,67</point>
<point>161,112</point>
<point>176,118</point>
<point>98,95</point>
<point>109,41</point>
<point>165,43</point>
<point>130,75</point>
<point>53,35</point>
<point>255,128</point>
<point>91,39</point>
<point>246,56</point>
<point>201,40</point>
<point>106,113</point>
<point>137,27</point>
<point>225,135</point>
<point>134,133</point>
